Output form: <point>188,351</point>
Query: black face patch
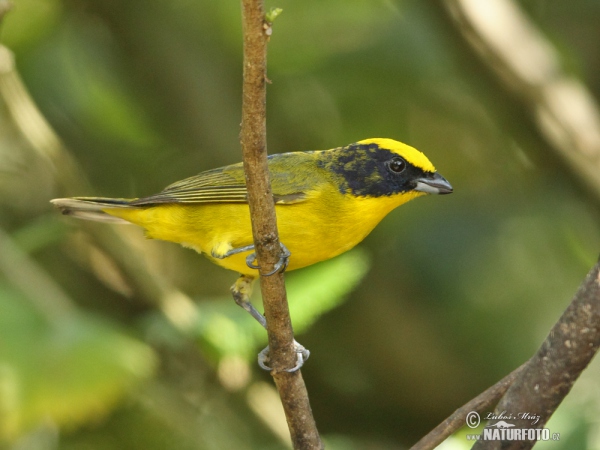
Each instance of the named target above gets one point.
<point>364,170</point>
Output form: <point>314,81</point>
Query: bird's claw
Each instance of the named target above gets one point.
<point>280,266</point>
<point>302,355</point>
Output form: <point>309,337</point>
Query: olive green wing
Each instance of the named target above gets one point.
<point>290,182</point>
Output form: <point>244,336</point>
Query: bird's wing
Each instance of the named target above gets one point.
<point>227,185</point>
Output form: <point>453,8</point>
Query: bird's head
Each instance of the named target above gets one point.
<point>384,167</point>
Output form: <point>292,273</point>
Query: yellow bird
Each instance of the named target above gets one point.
<point>326,202</point>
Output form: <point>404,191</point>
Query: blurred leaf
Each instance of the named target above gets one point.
<point>272,14</point>
<point>226,329</point>
<point>88,79</point>
<point>68,373</point>
<point>112,111</point>
<point>320,288</point>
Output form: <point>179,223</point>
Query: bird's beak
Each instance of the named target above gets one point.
<point>433,183</point>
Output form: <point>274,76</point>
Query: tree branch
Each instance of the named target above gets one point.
<point>550,374</point>
<point>291,387</point>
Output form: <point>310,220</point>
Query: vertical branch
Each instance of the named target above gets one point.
<point>291,387</point>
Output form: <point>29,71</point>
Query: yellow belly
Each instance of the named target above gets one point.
<point>318,228</point>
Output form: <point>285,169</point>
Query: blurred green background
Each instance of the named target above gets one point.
<point>110,341</point>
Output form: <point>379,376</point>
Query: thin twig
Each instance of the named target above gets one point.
<point>291,387</point>
<point>458,418</point>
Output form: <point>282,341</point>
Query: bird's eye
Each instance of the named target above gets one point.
<point>397,165</point>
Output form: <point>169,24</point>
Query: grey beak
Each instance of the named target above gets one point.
<point>433,184</point>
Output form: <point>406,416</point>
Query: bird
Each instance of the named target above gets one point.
<point>326,202</point>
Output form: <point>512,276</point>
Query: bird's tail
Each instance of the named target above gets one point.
<point>91,208</point>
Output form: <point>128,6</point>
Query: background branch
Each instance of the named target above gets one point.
<point>549,376</point>
<point>291,386</point>
<point>528,65</point>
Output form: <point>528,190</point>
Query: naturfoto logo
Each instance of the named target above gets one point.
<point>503,430</point>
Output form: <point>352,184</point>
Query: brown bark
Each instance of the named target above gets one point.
<point>291,387</point>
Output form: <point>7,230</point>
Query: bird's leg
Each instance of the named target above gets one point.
<point>241,290</point>
<point>281,265</point>
<point>233,251</point>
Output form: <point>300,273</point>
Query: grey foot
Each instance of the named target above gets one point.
<point>281,265</point>
<point>302,355</point>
